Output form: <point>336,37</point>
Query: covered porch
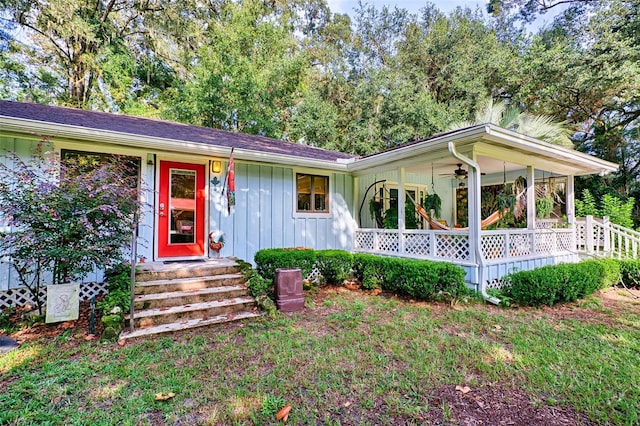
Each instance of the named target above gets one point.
<point>522,187</point>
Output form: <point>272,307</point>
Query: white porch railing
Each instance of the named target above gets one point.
<point>504,244</point>
<point>591,236</point>
<point>454,245</point>
<point>421,244</point>
<point>599,237</point>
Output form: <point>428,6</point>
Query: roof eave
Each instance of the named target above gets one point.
<point>594,164</point>
<point>152,143</point>
<point>588,164</point>
<point>431,145</point>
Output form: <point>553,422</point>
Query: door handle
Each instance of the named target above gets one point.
<point>161,209</point>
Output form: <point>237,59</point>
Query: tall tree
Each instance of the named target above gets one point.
<point>72,48</point>
<point>247,75</point>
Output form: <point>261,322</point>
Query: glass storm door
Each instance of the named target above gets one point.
<point>181,201</point>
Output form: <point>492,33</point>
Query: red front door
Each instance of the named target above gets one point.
<point>181,226</point>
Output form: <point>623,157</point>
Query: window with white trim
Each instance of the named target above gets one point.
<point>312,193</point>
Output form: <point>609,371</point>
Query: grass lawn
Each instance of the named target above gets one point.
<point>349,358</point>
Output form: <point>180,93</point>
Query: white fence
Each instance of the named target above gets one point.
<point>599,237</point>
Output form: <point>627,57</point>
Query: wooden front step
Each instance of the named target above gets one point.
<point>187,297</point>
<point>187,284</point>
<point>187,324</point>
<point>181,295</point>
<point>203,310</point>
<point>156,271</point>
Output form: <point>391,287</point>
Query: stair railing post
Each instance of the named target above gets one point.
<point>607,236</point>
<point>588,234</point>
<point>134,254</point>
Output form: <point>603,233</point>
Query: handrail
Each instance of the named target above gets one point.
<point>604,238</point>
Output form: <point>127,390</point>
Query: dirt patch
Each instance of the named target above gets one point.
<point>493,404</point>
<point>78,328</point>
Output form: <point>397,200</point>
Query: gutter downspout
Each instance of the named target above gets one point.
<point>477,229</point>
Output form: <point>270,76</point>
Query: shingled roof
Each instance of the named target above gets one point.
<point>162,129</point>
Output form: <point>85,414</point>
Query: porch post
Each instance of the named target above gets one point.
<point>570,201</point>
<point>356,196</point>
<point>570,205</point>
<point>475,211</point>
<point>401,200</point>
<point>531,198</point>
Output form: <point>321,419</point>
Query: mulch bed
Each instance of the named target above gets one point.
<point>78,329</point>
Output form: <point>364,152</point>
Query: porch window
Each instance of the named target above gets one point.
<point>312,193</point>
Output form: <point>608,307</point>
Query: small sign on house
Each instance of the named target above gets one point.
<point>62,302</point>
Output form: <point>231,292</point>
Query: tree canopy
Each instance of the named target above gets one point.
<point>296,71</point>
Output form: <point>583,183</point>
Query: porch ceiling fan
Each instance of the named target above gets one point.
<point>458,173</point>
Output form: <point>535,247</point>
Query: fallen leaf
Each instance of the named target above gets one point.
<point>283,414</point>
<point>90,337</point>
<point>376,292</point>
<point>497,327</point>
<point>346,404</point>
<point>163,397</point>
<point>463,389</point>
<point>121,342</point>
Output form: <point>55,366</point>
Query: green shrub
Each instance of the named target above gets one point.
<point>119,284</point>
<point>561,283</point>
<point>630,272</point>
<point>334,265</point>
<point>421,279</point>
<point>256,285</point>
<point>367,268</point>
<point>612,272</point>
<point>268,260</point>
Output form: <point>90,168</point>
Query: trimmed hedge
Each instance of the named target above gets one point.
<point>369,270</point>
<point>421,279</point>
<point>268,260</point>
<point>334,265</point>
<point>562,283</point>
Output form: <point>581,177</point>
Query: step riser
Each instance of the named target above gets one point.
<point>177,317</point>
<point>173,327</point>
<point>189,299</point>
<point>186,286</point>
<point>186,273</point>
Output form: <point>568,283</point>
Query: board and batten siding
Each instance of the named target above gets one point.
<point>263,216</point>
<point>24,147</point>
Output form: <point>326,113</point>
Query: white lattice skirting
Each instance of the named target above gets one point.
<point>21,296</point>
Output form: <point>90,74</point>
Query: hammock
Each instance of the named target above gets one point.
<point>486,222</point>
<point>434,224</point>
